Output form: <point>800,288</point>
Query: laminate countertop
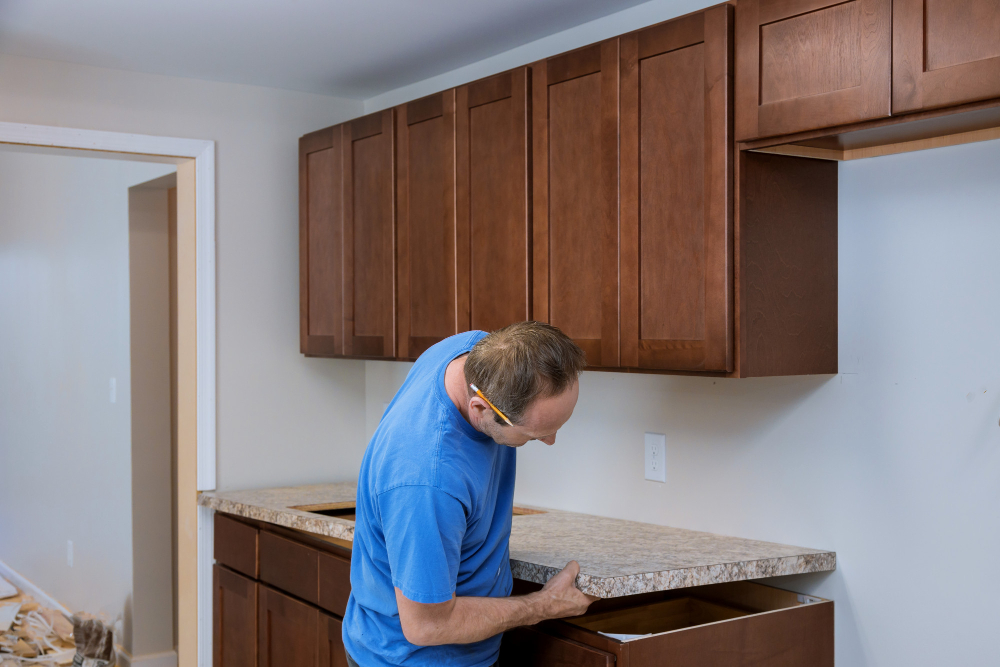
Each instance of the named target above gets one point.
<point>617,557</point>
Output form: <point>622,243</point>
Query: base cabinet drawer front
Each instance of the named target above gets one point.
<point>236,545</point>
<point>810,64</point>
<point>944,53</point>
<point>334,583</point>
<point>331,642</point>
<point>290,566</point>
<point>528,647</point>
<point>727,625</point>
<point>234,633</point>
<point>287,631</point>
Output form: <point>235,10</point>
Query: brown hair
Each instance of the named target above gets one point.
<point>514,365</point>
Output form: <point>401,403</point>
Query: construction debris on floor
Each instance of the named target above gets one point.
<point>31,634</point>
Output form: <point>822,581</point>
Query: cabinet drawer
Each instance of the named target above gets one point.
<point>334,583</point>
<point>236,545</point>
<point>726,625</point>
<point>290,566</point>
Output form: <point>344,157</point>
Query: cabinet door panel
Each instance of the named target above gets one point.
<point>494,223</point>
<point>234,639</point>
<point>369,230</point>
<point>321,242</point>
<point>287,631</point>
<point>575,252</point>
<point>809,64</point>
<point>331,642</point>
<point>945,52</point>
<point>428,310</point>
<point>676,201</point>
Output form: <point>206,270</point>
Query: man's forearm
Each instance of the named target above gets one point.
<point>474,619</point>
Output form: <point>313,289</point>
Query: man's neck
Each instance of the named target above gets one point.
<point>455,386</point>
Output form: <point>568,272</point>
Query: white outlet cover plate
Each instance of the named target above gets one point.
<point>656,457</point>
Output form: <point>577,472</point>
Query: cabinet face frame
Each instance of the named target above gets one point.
<point>714,350</point>
<point>321,214</point>
<point>602,60</point>
<point>494,286</point>
<point>870,99</point>
<point>914,87</point>
<point>380,344</point>
<point>440,106</point>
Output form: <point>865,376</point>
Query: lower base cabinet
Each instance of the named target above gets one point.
<point>331,642</point>
<point>234,632</point>
<point>739,624</point>
<point>291,633</point>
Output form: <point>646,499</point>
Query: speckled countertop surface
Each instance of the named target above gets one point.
<point>616,557</point>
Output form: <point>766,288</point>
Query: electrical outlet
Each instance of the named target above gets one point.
<point>69,552</point>
<point>656,457</point>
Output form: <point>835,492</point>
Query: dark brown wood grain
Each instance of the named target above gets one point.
<point>945,52</point>
<point>676,194</point>
<point>236,545</point>
<point>234,635</point>
<point>575,196</point>
<point>528,647</point>
<point>334,583</point>
<point>290,566</point>
<point>787,265</point>
<point>425,192</point>
<point>494,199</point>
<point>369,237</point>
<point>331,642</point>
<point>806,64</point>
<point>287,631</point>
<point>321,242</point>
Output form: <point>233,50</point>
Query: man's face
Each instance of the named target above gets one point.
<point>542,419</point>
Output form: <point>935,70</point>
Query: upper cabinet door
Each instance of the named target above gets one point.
<point>369,229</point>
<point>811,64</point>
<point>493,198</point>
<point>676,194</point>
<point>945,52</point>
<point>321,242</point>
<point>575,151</point>
<point>431,306</point>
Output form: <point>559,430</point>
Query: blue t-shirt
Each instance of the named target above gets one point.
<point>433,518</point>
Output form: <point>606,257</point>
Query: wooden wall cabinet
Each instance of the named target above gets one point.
<point>677,194</point>
<point>347,239</point>
<point>945,53</point>
<point>493,197</point>
<point>575,197</point>
<point>433,277</point>
<point>809,64</point>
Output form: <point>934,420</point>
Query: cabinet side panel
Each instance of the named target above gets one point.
<point>788,265</point>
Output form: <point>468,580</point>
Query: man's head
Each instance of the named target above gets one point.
<point>529,371</point>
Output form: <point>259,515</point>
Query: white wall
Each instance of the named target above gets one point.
<point>282,418</point>
<point>65,459</point>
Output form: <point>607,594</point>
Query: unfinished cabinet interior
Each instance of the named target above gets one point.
<point>736,625</point>
<point>433,277</point>
<point>575,198</point>
<point>945,53</point>
<point>808,64</point>
<point>494,197</point>
<point>676,194</point>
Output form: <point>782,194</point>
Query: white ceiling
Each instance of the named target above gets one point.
<point>353,49</point>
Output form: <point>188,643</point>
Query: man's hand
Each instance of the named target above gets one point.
<point>561,597</point>
<point>465,620</point>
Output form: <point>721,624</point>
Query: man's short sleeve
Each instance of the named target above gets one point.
<point>423,528</point>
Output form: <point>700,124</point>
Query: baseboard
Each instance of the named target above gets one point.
<point>34,591</point>
<point>165,659</point>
